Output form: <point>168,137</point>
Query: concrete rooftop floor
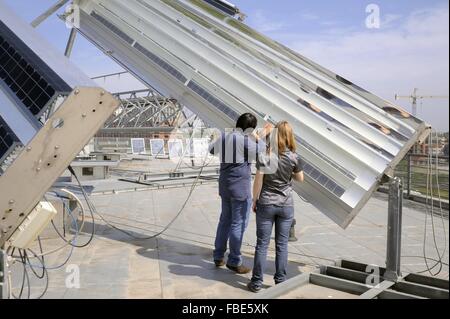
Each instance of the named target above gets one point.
<point>179,263</point>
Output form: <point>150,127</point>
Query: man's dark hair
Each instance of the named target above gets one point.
<point>247,121</point>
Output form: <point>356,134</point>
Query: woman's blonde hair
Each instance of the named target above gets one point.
<point>286,138</point>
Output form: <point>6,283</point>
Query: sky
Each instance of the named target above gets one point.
<point>410,49</point>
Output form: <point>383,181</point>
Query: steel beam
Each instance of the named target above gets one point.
<point>394,230</point>
<point>427,281</point>
<point>70,42</point>
<point>376,291</point>
<point>354,265</point>
<point>338,284</point>
<point>285,287</point>
<point>347,274</point>
<point>36,22</point>
<point>392,294</point>
<point>3,275</point>
<point>421,290</point>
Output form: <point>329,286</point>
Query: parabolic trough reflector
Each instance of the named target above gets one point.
<point>219,68</point>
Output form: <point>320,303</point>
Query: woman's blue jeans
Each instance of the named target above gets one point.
<point>266,216</point>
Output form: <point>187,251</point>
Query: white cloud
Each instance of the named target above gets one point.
<point>389,20</point>
<point>264,24</point>
<point>391,60</point>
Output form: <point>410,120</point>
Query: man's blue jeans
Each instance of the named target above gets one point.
<point>233,222</point>
<point>266,216</point>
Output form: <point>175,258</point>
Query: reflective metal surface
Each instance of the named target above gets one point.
<point>219,67</point>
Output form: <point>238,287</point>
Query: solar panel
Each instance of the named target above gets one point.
<point>163,64</point>
<point>138,146</point>
<point>212,100</point>
<point>7,140</point>
<point>318,153</point>
<point>26,75</point>
<point>224,6</point>
<point>113,28</point>
<point>157,147</point>
<point>175,148</point>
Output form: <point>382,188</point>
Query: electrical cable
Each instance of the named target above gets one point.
<point>44,275</point>
<point>92,235</point>
<point>429,194</point>
<point>194,185</point>
<point>429,258</point>
<point>68,257</point>
<point>25,278</point>
<point>67,242</point>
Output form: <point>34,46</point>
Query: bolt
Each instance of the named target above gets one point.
<point>11,201</point>
<point>83,115</point>
<point>102,93</point>
<point>28,148</point>
<point>56,147</point>
<point>38,169</point>
<point>77,92</point>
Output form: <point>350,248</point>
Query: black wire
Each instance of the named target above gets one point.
<point>44,271</point>
<point>24,278</point>
<point>28,262</point>
<point>23,284</point>
<point>93,209</point>
<point>69,242</point>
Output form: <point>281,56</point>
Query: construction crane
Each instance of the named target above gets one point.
<point>414,98</point>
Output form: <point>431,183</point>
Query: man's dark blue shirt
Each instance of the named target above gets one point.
<point>236,151</point>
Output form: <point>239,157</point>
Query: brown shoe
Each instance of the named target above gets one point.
<point>239,269</point>
<point>219,263</point>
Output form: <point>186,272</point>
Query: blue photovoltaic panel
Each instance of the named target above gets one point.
<point>163,64</point>
<point>113,28</point>
<point>314,150</point>
<point>26,75</point>
<point>213,100</point>
<point>7,139</point>
<point>222,6</point>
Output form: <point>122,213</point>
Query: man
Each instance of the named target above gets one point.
<point>236,150</point>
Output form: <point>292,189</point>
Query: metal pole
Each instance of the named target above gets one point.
<point>36,22</point>
<point>3,275</point>
<point>70,42</point>
<point>394,231</point>
<point>409,176</point>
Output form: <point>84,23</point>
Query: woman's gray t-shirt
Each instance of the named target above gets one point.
<point>277,186</point>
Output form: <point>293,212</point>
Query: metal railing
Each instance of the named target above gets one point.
<point>413,170</point>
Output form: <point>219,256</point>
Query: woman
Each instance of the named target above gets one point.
<point>273,202</point>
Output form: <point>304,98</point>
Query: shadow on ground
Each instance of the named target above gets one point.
<point>187,259</point>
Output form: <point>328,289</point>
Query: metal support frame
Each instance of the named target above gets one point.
<point>409,175</point>
<point>143,109</point>
<point>70,42</point>
<point>394,230</point>
<point>36,22</point>
<point>3,275</point>
<point>49,153</point>
<point>353,277</point>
